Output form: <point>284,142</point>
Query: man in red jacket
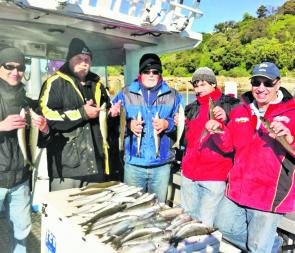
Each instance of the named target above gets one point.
<point>204,166</point>
<point>261,182</point>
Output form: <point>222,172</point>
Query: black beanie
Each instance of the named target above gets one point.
<point>76,47</point>
<point>150,61</point>
<point>12,54</point>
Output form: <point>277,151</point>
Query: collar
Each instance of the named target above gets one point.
<point>214,95</point>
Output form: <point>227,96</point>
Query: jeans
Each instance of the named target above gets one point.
<point>200,199</point>
<point>249,229</point>
<point>17,205</point>
<point>153,180</point>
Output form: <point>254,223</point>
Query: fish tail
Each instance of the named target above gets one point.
<point>106,153</point>
<point>176,145</point>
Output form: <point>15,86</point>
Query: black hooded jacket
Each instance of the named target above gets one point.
<point>76,148</point>
<point>12,169</point>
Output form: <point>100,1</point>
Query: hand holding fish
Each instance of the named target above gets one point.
<point>136,126</point>
<point>91,110</point>
<point>41,123</point>
<point>219,113</point>
<point>212,125</point>
<point>279,129</point>
<point>160,124</point>
<point>11,122</point>
<point>115,109</point>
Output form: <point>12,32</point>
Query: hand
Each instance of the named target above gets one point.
<point>11,122</point>
<point>160,125</point>
<point>136,126</point>
<point>212,125</point>
<point>176,119</point>
<point>281,130</point>
<point>115,109</point>
<point>219,113</point>
<point>41,123</point>
<point>91,110</point>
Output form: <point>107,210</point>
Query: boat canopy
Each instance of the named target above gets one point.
<point>117,31</point>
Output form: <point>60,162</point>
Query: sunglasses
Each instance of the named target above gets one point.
<point>148,72</point>
<point>266,83</point>
<point>10,67</point>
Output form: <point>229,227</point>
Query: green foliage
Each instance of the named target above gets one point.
<point>115,70</point>
<point>235,48</point>
<point>180,71</point>
<point>287,8</point>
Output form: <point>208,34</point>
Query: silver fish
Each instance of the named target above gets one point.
<point>180,126</point>
<point>194,229</point>
<point>281,139</point>
<point>211,116</point>
<point>122,127</point>
<point>111,209</point>
<point>104,132</point>
<point>141,232</point>
<point>142,248</point>
<point>171,213</point>
<point>154,238</point>
<point>34,133</point>
<point>101,185</point>
<point>138,138</point>
<point>21,136</point>
<point>157,138</point>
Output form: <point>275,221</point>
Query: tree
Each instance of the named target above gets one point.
<point>288,8</point>
<point>261,11</point>
<point>247,16</point>
<point>223,27</point>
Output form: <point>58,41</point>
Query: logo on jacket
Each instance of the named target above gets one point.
<point>282,119</point>
<point>242,120</point>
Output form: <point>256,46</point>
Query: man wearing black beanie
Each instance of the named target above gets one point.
<point>150,105</point>
<point>15,194</point>
<point>71,101</point>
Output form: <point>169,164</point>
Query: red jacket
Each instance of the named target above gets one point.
<point>204,161</point>
<point>262,176</point>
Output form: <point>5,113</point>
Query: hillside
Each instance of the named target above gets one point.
<point>235,47</point>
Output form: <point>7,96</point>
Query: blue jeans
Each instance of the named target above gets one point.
<point>200,199</point>
<point>249,229</point>
<point>153,180</point>
<point>17,205</point>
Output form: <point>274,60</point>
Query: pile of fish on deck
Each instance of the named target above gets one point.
<point>132,221</point>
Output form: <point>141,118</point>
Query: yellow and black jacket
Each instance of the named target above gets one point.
<point>76,148</point>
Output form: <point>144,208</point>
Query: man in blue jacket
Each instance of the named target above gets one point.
<point>150,106</point>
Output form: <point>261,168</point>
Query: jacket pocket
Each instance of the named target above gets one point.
<point>70,155</point>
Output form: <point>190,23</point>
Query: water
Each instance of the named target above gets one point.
<point>188,97</point>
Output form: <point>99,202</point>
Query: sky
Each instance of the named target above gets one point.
<point>218,11</point>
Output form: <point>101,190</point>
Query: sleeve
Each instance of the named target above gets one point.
<point>51,104</point>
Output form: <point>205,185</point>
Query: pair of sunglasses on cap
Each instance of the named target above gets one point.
<point>267,83</point>
<point>11,67</point>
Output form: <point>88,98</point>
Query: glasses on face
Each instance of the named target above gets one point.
<point>267,83</point>
<point>148,72</point>
<point>11,67</point>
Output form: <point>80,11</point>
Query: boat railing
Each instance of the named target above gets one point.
<point>154,15</point>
